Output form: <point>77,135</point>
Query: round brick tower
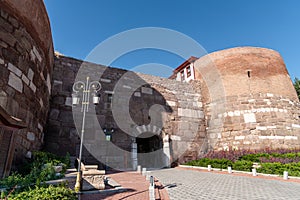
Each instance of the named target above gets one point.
<point>250,100</point>
<point>26,59</point>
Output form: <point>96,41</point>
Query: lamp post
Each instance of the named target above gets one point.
<point>86,88</point>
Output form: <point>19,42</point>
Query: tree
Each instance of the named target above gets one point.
<point>297,86</point>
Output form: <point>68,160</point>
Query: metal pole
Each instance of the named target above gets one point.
<point>85,87</point>
<point>85,104</point>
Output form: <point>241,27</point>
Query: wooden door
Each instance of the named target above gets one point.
<point>6,153</point>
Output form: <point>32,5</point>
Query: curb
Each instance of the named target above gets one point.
<point>115,190</point>
<point>236,171</point>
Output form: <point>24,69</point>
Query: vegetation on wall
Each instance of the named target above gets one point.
<point>30,181</point>
<point>297,86</point>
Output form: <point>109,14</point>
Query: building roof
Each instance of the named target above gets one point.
<point>183,65</point>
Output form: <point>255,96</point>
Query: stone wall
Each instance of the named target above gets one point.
<point>186,125</point>
<point>180,122</point>
<point>243,98</point>
<point>192,119</point>
<point>26,66</point>
<point>257,122</point>
<point>248,70</point>
<point>250,101</point>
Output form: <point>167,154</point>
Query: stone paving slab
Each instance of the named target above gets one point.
<point>134,186</point>
<point>195,185</point>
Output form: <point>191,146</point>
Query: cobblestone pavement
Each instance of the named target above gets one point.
<point>190,184</point>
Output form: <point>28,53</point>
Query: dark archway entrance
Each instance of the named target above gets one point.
<point>150,150</point>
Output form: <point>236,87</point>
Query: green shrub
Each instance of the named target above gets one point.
<point>271,168</point>
<point>203,162</point>
<point>242,165</point>
<point>293,169</point>
<point>271,163</point>
<point>46,193</point>
<point>11,180</point>
<point>215,163</point>
<point>46,157</point>
<point>200,163</point>
<point>254,157</point>
<point>221,163</point>
<point>40,169</point>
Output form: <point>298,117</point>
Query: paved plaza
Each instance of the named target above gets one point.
<point>183,184</point>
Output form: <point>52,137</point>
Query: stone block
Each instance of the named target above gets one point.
<point>56,87</point>
<point>73,133</point>
<point>8,38</point>
<point>146,90</point>
<point>68,101</point>
<point>40,127</point>
<point>183,126</point>
<point>175,138</point>
<point>239,137</point>
<point>105,80</point>
<point>13,21</point>
<point>171,103</point>
<point>53,114</point>
<point>66,117</point>
<point>137,94</point>
<point>249,118</point>
<point>14,69</point>
<point>92,182</point>
<point>3,99</point>
<point>32,86</point>
<point>15,82</point>
<point>36,53</point>
<point>30,74</point>
<point>190,113</point>
<point>58,100</point>
<point>296,126</point>
<point>25,79</point>
<point>6,26</point>
<point>30,136</point>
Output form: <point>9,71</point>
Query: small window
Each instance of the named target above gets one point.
<point>109,98</point>
<point>182,75</point>
<point>188,71</point>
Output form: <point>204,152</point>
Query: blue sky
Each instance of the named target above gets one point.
<point>79,26</point>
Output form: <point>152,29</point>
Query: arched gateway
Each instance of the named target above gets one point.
<point>150,150</point>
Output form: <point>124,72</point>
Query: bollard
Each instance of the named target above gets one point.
<point>151,189</point>
<point>139,169</point>
<point>151,193</point>
<point>229,170</point>
<point>144,171</point>
<point>148,175</point>
<point>209,167</point>
<point>285,175</point>
<point>151,181</point>
<point>254,172</point>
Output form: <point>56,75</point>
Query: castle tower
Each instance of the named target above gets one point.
<point>249,99</point>
<point>26,59</point>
